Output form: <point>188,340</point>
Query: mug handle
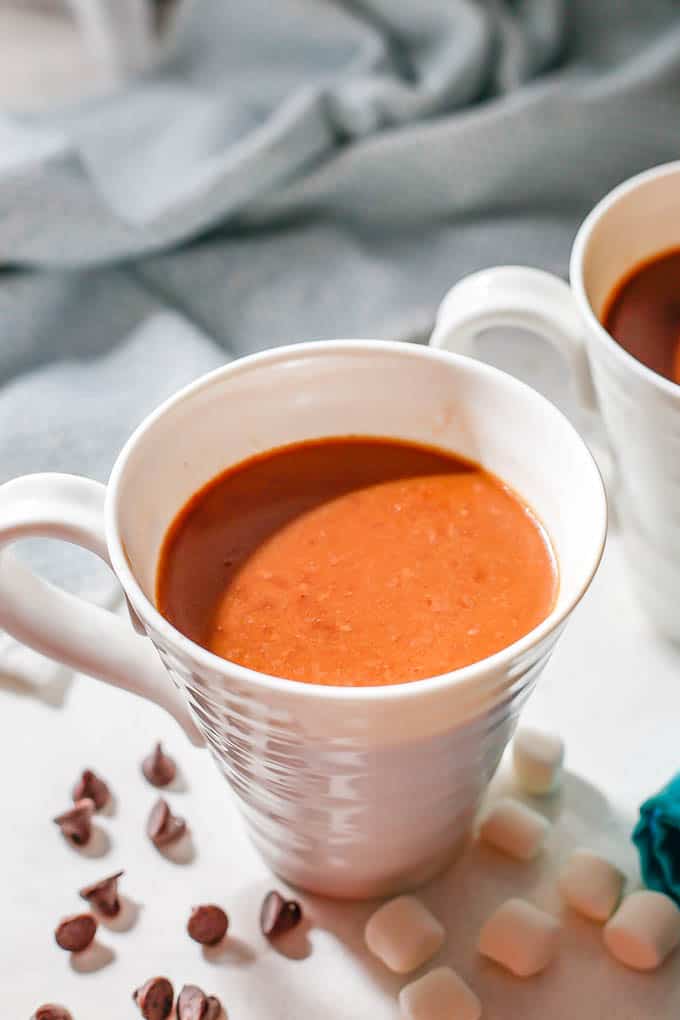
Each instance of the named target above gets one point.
<point>119,33</point>
<point>62,626</point>
<point>521,297</point>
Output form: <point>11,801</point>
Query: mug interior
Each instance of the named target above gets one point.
<point>370,388</point>
<point>636,221</point>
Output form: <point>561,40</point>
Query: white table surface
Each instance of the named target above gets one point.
<point>612,689</point>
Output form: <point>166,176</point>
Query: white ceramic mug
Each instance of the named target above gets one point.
<point>640,409</point>
<point>119,33</point>
<point>349,792</point>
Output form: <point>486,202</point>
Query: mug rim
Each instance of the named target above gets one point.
<point>578,251</point>
<point>462,677</point>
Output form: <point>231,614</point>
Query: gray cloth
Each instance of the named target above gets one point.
<point>299,169</point>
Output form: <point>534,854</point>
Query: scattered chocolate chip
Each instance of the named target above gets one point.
<point>278,915</point>
<point>104,895</point>
<point>155,998</point>
<point>163,827</point>
<point>159,768</point>
<point>192,1004</point>
<point>91,786</point>
<point>214,1009</point>
<point>76,823</point>
<point>50,1011</point>
<point>76,933</point>
<point>208,924</point>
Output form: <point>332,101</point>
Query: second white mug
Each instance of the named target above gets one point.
<point>640,409</point>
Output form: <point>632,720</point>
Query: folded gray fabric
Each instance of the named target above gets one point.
<point>303,169</point>
<point>386,115</point>
<point>75,415</point>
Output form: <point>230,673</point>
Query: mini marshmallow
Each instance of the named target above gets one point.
<point>520,937</point>
<point>403,934</point>
<point>538,759</point>
<point>439,995</point>
<point>591,885</point>
<point>644,930</point>
<point>514,828</point>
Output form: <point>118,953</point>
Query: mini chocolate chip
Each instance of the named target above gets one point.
<point>76,933</point>
<point>90,785</point>
<point>104,895</point>
<point>76,823</point>
<point>192,1004</point>
<point>208,924</point>
<point>155,998</point>
<point>158,767</point>
<point>214,1008</point>
<point>163,827</point>
<point>50,1011</point>
<point>278,915</point>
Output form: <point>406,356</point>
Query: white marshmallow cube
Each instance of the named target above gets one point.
<point>644,930</point>
<point>520,937</point>
<point>514,828</point>
<point>538,758</point>
<point>440,995</point>
<point>403,934</point>
<point>591,885</point>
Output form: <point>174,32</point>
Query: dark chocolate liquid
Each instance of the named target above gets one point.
<point>643,314</point>
<point>355,561</point>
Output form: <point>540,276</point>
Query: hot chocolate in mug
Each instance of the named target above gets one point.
<point>640,409</point>
<point>346,791</point>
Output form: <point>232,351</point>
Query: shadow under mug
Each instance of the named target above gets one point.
<point>346,791</point>
<point>640,409</point>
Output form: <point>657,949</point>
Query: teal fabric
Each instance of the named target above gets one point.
<point>657,837</point>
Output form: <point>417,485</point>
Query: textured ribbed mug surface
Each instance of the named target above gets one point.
<point>339,803</point>
<point>642,419</point>
<point>634,223</point>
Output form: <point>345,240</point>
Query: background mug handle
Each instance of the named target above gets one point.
<point>118,33</point>
<point>520,297</point>
<point>62,626</point>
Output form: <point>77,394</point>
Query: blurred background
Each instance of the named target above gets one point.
<point>185,181</point>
